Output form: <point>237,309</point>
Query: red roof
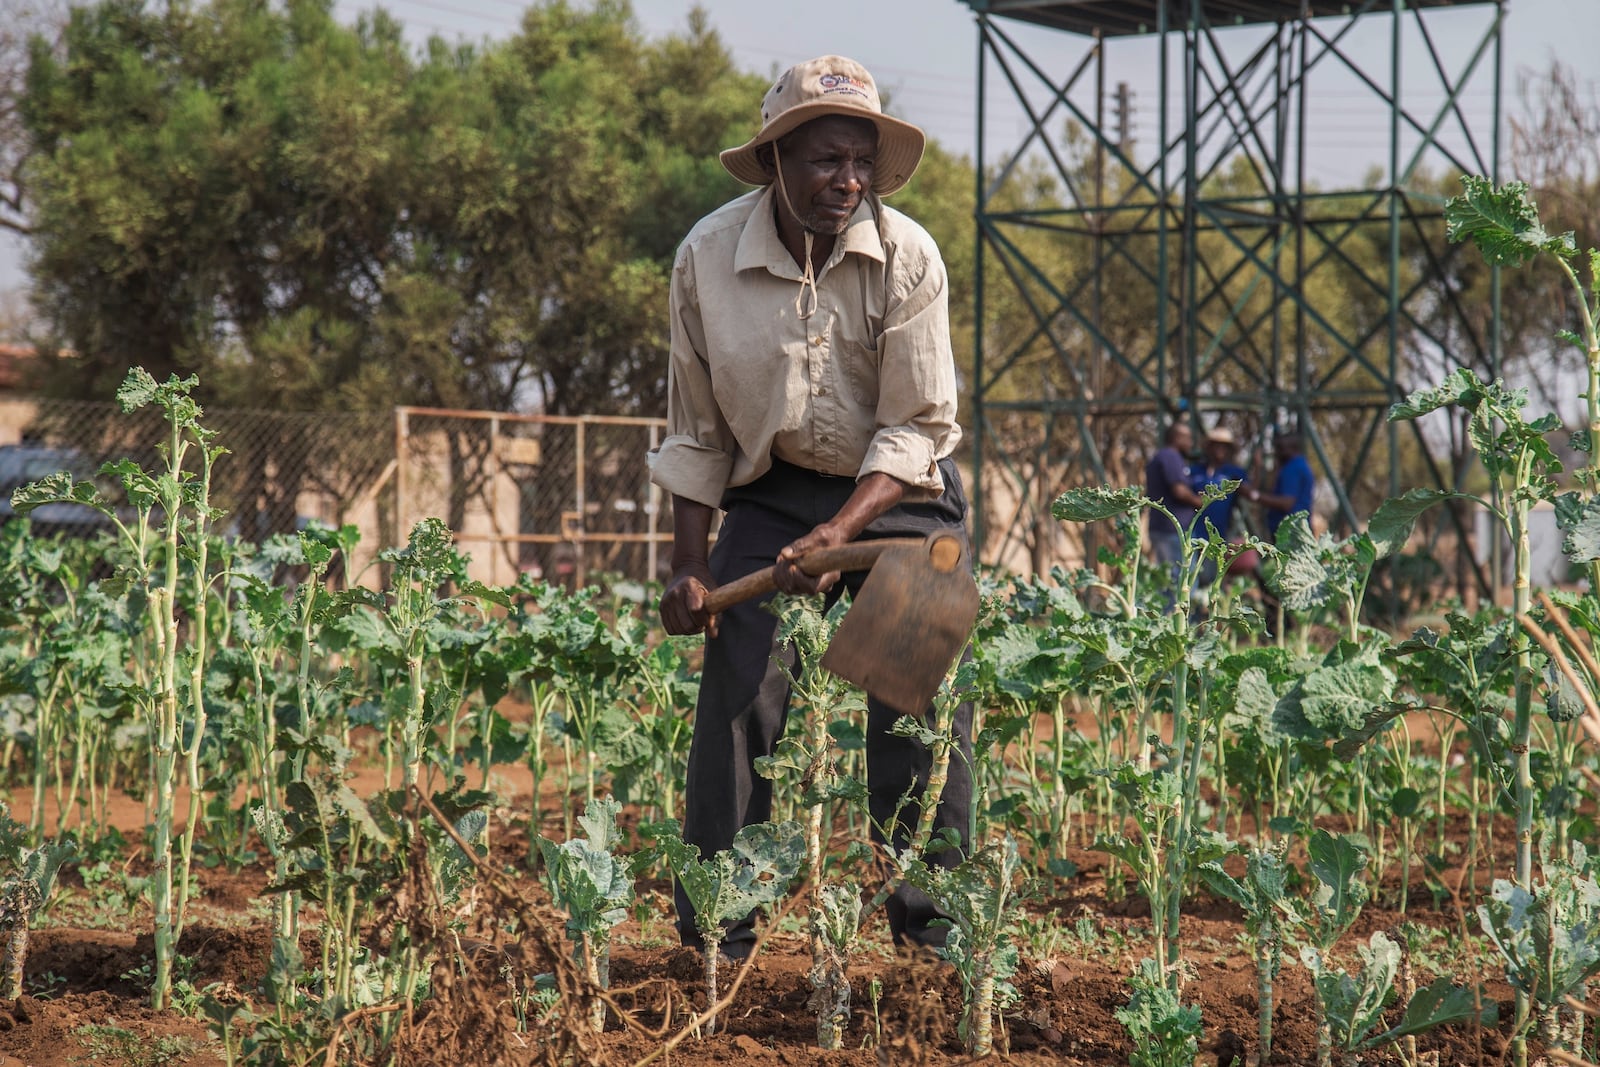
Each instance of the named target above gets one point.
<point>16,361</point>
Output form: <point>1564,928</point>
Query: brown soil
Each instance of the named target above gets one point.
<point>84,971</point>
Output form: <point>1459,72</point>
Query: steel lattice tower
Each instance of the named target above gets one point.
<point>1213,274</point>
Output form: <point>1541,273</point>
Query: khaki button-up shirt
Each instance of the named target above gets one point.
<point>866,383</point>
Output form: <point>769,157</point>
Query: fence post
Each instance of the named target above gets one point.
<point>652,504</point>
<point>402,431</point>
<point>580,475</point>
<point>497,470</point>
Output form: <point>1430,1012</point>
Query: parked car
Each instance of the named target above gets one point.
<point>25,463</point>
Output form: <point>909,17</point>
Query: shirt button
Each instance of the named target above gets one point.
<point>822,439</point>
<point>816,340</point>
<point>822,390</point>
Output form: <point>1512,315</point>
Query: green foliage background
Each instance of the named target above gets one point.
<point>318,217</point>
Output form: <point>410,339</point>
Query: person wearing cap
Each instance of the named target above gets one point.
<point>811,398</point>
<point>1218,467</point>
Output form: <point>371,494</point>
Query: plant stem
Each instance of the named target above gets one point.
<point>539,714</point>
<point>197,691</point>
<point>1447,737</point>
<point>1591,337</point>
<point>16,957</point>
<point>592,971</point>
<point>938,774</point>
<point>1267,949</point>
<point>828,1036</point>
<point>1060,798</point>
<point>1522,724</point>
<point>412,729</point>
<point>712,940</point>
<point>1324,1030</point>
<point>982,1012</point>
<point>165,741</point>
<point>566,794</point>
<point>1187,764</point>
<point>43,745</point>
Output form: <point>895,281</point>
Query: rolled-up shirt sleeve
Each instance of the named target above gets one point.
<point>916,411</point>
<point>696,457</point>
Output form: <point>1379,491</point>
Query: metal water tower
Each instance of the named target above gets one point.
<point>1204,251</point>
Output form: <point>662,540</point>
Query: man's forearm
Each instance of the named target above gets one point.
<point>691,532</point>
<point>1184,495</point>
<point>873,496</point>
<point>1271,501</point>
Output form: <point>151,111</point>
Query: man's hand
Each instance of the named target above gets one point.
<point>787,573</point>
<point>873,495</point>
<point>683,604</point>
<point>1185,494</point>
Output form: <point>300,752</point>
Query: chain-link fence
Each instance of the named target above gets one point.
<point>562,497</point>
<point>558,496</point>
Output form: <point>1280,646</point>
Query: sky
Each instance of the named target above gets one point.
<point>923,54</point>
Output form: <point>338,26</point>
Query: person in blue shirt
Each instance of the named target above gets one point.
<point>1168,481</point>
<point>1218,468</point>
<point>1292,490</point>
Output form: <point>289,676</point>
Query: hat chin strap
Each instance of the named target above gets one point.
<point>808,279</point>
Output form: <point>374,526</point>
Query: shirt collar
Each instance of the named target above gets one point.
<point>760,246</point>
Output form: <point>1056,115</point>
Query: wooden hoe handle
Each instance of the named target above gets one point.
<point>856,556</point>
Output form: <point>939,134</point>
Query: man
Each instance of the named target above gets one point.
<point>811,396</point>
<point>1293,487</point>
<point>1167,482</point>
<point>1218,468</point>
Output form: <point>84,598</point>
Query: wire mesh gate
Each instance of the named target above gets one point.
<point>556,496</point>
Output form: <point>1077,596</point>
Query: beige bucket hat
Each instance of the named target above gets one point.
<point>830,85</point>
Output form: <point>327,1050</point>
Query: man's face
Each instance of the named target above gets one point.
<point>1182,438</point>
<point>827,169</point>
<point>1219,452</point>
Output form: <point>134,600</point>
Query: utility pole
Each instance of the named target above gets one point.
<point>1123,110</point>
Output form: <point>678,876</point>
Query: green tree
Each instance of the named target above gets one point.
<point>313,217</point>
<point>20,21</point>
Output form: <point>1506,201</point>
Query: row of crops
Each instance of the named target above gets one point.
<point>238,688</point>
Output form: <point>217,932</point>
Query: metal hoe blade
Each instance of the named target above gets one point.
<point>909,623</point>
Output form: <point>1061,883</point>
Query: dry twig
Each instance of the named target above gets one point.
<point>346,1021</point>
<point>1581,650</point>
<point>712,1010</point>
<point>1561,1056</point>
<point>582,1044</point>
<point>1590,719</point>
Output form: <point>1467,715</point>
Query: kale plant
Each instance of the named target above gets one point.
<point>1263,895</point>
<point>1165,1031</point>
<point>982,895</point>
<point>1549,937</point>
<point>731,884</point>
<point>27,877</point>
<point>1351,1005</point>
<point>588,882</point>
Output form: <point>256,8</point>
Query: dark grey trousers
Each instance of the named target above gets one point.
<point>744,692</point>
